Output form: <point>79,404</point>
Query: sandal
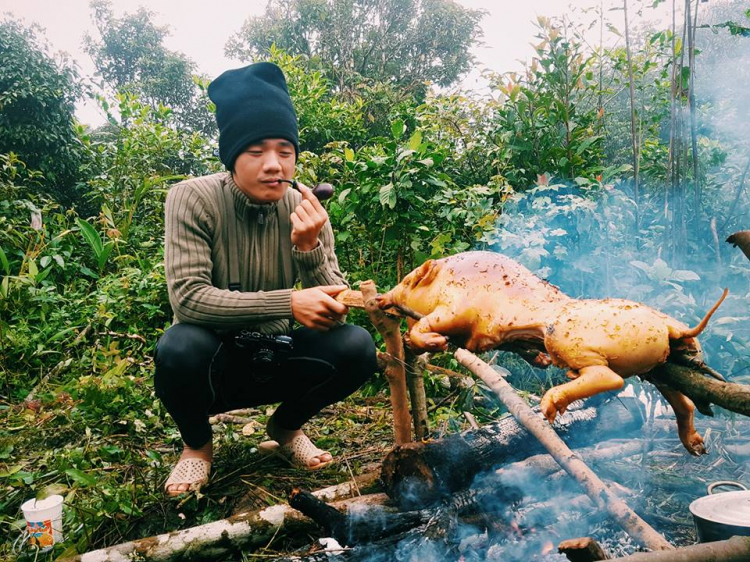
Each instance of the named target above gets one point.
<point>193,471</point>
<point>297,452</point>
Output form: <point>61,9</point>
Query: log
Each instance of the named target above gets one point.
<point>417,395</point>
<point>736,549</point>
<point>544,465</point>
<point>702,389</point>
<point>584,549</point>
<point>390,328</point>
<point>372,524</point>
<point>219,539</point>
<point>602,496</point>
<point>419,474</point>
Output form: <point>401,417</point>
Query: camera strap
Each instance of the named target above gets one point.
<point>230,232</point>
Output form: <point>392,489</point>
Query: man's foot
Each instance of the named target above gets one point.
<point>191,471</point>
<point>295,446</point>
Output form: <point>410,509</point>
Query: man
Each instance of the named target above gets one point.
<point>235,245</point>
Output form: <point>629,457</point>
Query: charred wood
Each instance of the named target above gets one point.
<point>584,549</point>
<point>372,524</point>
<point>418,474</point>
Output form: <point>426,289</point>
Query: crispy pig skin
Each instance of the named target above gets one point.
<point>484,300</point>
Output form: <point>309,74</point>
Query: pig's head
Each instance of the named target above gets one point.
<point>419,279</point>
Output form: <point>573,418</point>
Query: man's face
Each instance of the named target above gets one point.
<point>259,168</point>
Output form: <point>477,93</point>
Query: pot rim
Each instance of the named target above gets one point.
<point>728,508</point>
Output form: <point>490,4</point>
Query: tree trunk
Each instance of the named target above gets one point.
<point>633,124</point>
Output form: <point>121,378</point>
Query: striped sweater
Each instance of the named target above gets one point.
<point>196,256</point>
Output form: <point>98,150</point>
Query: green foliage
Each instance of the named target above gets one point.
<point>131,57</point>
<point>547,120</point>
<point>405,41</point>
<point>539,171</point>
<point>397,207</point>
<point>37,100</point>
<point>323,116</point>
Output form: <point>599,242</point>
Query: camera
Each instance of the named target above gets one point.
<point>264,350</point>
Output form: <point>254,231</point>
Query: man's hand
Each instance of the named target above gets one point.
<point>307,220</point>
<point>316,308</point>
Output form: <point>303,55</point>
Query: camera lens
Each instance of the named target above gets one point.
<point>263,357</point>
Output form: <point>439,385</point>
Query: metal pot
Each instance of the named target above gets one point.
<point>721,516</point>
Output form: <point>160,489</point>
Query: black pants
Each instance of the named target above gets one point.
<point>199,373</point>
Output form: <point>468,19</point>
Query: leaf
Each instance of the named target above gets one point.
<point>641,265</point>
<point>685,275</point>
<point>11,471</point>
<point>387,195</point>
<point>587,143</point>
<point>55,489</point>
<point>105,254</point>
<point>62,333</point>
<point>33,269</point>
<point>4,261</point>
<point>80,477</point>
<point>398,128</point>
<point>415,141</point>
<point>349,154</point>
<point>91,236</point>
<point>43,275</point>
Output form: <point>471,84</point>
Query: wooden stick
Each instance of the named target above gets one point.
<point>698,387</point>
<point>219,539</point>
<point>736,549</point>
<point>602,496</point>
<point>417,395</point>
<point>544,465</point>
<point>390,328</point>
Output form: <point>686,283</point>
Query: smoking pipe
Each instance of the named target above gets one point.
<point>322,191</point>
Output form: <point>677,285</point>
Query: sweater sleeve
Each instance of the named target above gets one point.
<point>189,266</point>
<point>319,266</point>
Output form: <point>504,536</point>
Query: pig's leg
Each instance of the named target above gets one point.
<point>592,380</point>
<point>425,334</point>
<point>683,410</point>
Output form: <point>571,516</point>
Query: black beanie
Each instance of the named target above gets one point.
<point>252,104</point>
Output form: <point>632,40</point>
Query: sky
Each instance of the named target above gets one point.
<point>201,29</point>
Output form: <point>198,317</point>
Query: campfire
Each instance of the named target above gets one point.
<point>523,487</point>
<point>488,494</point>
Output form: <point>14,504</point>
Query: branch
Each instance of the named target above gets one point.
<point>602,496</point>
<point>395,372</point>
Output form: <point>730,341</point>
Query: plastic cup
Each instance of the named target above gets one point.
<point>44,521</point>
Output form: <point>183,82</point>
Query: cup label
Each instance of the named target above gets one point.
<point>40,533</point>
